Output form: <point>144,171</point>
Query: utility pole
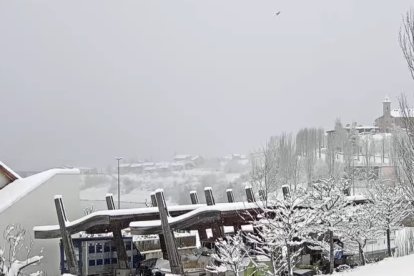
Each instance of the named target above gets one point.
<point>119,184</point>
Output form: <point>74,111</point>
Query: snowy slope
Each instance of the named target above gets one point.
<point>401,266</point>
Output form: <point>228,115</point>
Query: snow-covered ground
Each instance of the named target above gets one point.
<point>401,266</point>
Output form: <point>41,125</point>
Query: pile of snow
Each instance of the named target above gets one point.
<point>401,266</point>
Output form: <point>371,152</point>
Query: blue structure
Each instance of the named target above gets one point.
<point>98,256</point>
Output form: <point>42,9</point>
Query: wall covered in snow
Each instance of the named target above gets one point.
<point>36,207</point>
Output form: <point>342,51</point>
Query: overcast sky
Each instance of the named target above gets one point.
<point>84,81</point>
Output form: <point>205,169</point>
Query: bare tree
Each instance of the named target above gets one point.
<point>391,206</point>
<point>367,149</point>
<point>265,171</point>
<point>361,224</point>
<point>329,198</point>
<point>14,248</point>
<point>403,142</point>
<point>232,253</point>
<point>403,149</point>
<point>406,39</point>
<point>283,231</point>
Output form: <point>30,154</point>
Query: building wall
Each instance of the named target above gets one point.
<point>37,208</point>
<point>385,123</point>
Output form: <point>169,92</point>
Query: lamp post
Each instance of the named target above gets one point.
<point>119,184</point>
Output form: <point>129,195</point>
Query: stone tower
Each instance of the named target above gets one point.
<point>386,107</point>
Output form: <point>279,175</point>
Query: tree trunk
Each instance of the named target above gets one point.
<point>288,261</point>
<point>389,242</point>
<point>361,254</point>
<point>331,252</point>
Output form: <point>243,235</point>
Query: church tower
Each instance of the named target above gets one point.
<point>386,107</point>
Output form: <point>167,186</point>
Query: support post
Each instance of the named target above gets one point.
<point>153,200</point>
<point>66,237</point>
<point>194,197</point>
<point>202,235</point>
<point>215,229</point>
<point>230,195</point>
<point>110,201</point>
<point>173,256</point>
<point>249,194</point>
<point>161,237</point>
<point>208,192</point>
<point>117,236</point>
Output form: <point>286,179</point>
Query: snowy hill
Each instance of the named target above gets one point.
<point>136,187</point>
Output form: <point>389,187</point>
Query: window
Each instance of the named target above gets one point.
<point>128,246</point>
<point>91,262</point>
<point>99,262</point>
<point>107,247</point>
<point>107,261</point>
<point>91,248</point>
<point>114,260</point>
<point>99,248</point>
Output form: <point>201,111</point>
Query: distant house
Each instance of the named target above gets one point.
<point>87,170</point>
<point>162,166</point>
<point>182,165</point>
<point>182,157</point>
<point>197,160</point>
<point>136,167</point>
<point>392,118</point>
<point>360,129</point>
<point>29,202</point>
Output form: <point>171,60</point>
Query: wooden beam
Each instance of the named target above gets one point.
<point>161,237</point>
<point>216,230</point>
<point>230,195</point>
<point>153,200</point>
<point>117,236</point>
<point>249,194</point>
<point>66,237</point>
<point>202,235</point>
<point>194,197</point>
<point>173,256</point>
<point>208,193</point>
<point>110,201</point>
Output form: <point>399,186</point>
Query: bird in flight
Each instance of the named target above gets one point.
<point>277,13</point>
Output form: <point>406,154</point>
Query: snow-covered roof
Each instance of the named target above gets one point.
<point>23,186</point>
<point>86,221</point>
<point>196,157</point>
<point>364,127</point>
<point>182,157</point>
<point>199,213</point>
<point>398,113</point>
<point>9,171</point>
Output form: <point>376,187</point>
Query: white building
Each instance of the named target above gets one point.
<point>30,202</point>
